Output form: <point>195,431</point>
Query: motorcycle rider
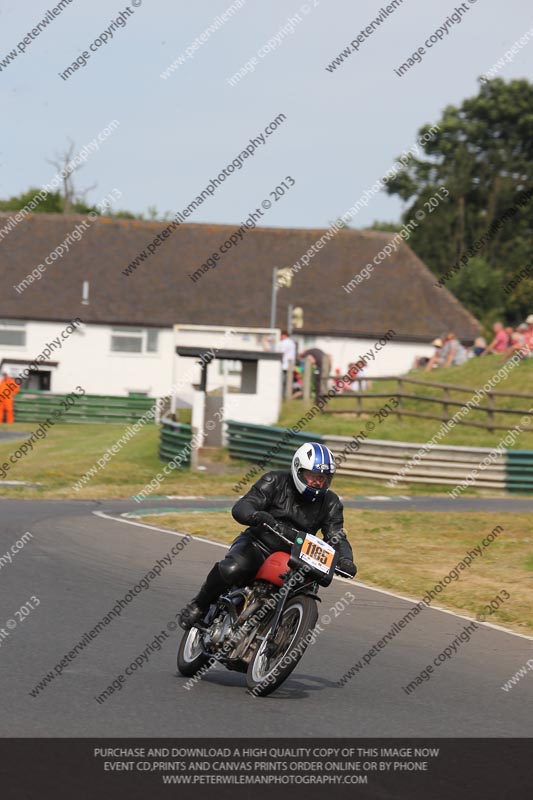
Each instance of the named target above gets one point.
<point>299,498</point>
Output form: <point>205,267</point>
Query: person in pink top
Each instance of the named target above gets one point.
<point>500,343</point>
<point>518,343</point>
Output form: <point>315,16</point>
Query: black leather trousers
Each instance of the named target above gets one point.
<point>237,568</point>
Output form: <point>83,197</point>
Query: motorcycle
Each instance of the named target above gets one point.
<point>264,629</point>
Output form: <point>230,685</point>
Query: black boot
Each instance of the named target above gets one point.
<point>189,615</point>
<point>214,585</point>
<point>209,592</point>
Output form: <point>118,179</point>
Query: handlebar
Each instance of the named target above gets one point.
<point>343,574</point>
<point>281,536</point>
<point>303,533</point>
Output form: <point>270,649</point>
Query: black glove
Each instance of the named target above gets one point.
<point>347,565</point>
<point>263,518</point>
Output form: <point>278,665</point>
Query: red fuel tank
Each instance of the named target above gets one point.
<point>274,566</point>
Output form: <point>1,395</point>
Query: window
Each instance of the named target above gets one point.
<point>234,367</point>
<point>40,380</point>
<point>134,340</point>
<point>127,340</point>
<point>151,341</point>
<point>13,333</point>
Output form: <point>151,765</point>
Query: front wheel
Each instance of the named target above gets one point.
<point>272,664</point>
<point>191,657</point>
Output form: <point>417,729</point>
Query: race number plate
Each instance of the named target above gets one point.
<point>317,553</point>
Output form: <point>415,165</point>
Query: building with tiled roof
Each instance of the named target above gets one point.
<point>126,341</point>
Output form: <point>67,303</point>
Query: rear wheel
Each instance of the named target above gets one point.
<point>273,663</point>
<point>191,657</point>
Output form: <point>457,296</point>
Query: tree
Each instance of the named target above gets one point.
<point>480,289</point>
<point>66,168</point>
<point>387,227</point>
<point>482,155</point>
<point>52,203</point>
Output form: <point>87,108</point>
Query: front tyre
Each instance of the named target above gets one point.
<point>267,671</point>
<point>191,657</point>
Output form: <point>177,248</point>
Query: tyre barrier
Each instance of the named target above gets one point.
<point>377,459</point>
<point>174,440</point>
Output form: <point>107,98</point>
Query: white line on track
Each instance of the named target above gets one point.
<point>186,497</point>
<point>103,515</point>
<point>155,528</point>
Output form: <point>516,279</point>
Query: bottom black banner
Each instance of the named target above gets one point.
<point>280,768</point>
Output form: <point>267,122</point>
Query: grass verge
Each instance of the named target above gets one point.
<point>409,553</point>
<point>58,461</point>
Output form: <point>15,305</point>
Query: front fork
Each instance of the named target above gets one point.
<point>269,643</point>
<point>285,592</point>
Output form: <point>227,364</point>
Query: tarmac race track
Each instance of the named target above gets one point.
<point>79,563</point>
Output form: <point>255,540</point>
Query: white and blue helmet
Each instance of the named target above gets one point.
<point>315,458</point>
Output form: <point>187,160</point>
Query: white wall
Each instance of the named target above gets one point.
<point>395,358</point>
<point>262,408</point>
<point>85,358</point>
<point>187,371</point>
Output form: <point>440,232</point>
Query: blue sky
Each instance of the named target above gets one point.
<point>343,129</point>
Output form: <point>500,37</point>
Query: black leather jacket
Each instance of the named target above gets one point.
<point>276,493</point>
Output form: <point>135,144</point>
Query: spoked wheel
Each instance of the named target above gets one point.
<point>191,657</point>
<point>273,662</point>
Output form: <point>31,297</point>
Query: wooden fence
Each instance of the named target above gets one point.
<point>360,400</point>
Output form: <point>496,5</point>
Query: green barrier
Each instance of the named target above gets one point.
<point>265,444</point>
<point>519,470</point>
<point>270,448</point>
<point>175,440</point>
<point>36,406</point>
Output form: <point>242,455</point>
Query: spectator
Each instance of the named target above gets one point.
<point>500,343</point>
<point>288,349</point>
<point>339,384</point>
<point>321,362</point>
<point>510,332</point>
<point>518,341</point>
<point>298,380</point>
<point>453,353</point>
<point>528,335</point>
<point>358,370</point>
<point>8,390</point>
<point>479,346</point>
<point>434,361</point>
<point>344,383</point>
